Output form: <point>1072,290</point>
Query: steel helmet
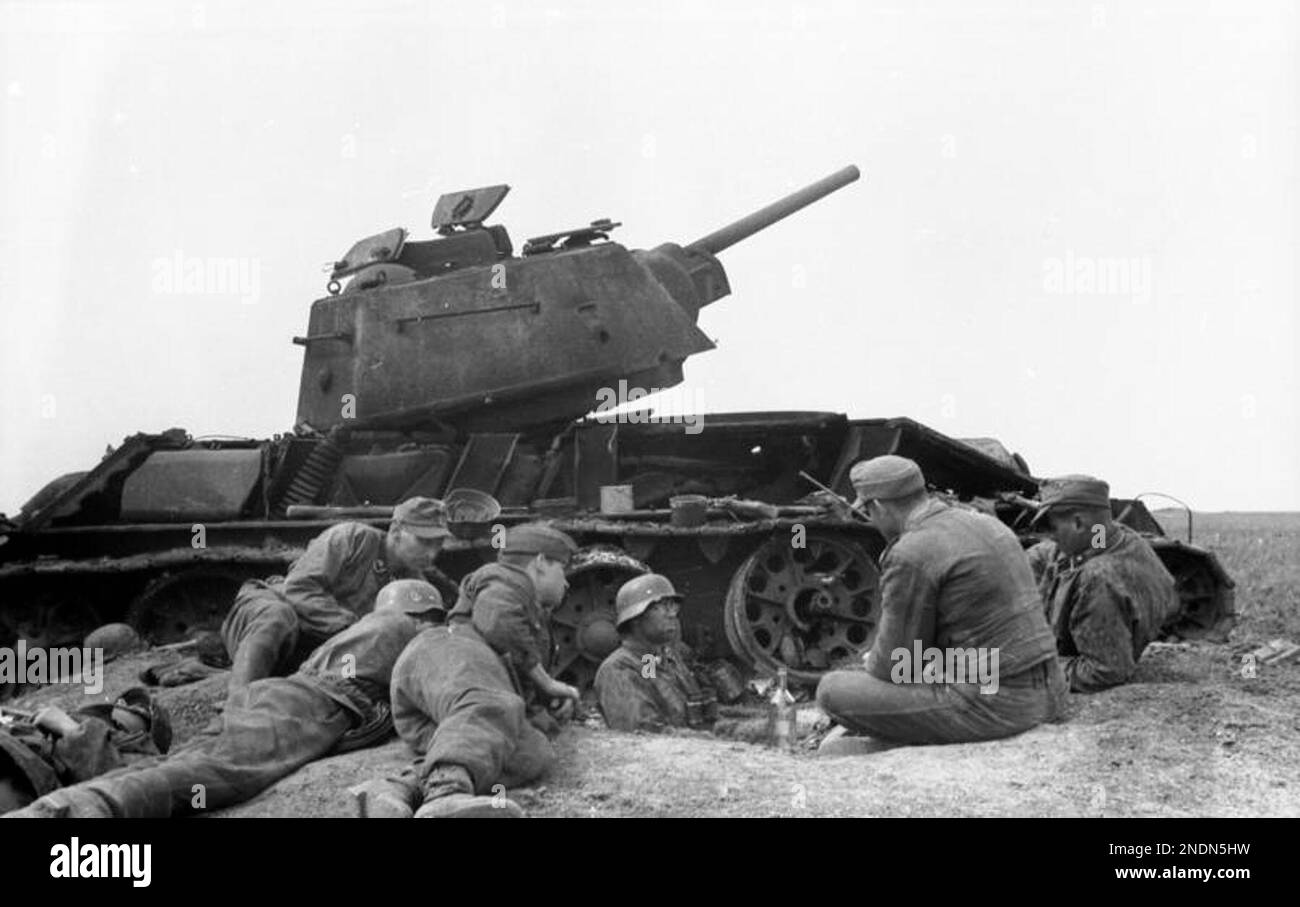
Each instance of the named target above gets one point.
<point>639,593</point>
<point>409,596</point>
<point>114,639</point>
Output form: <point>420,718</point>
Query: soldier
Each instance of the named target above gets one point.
<point>1106,592</point>
<point>956,582</point>
<point>274,624</point>
<point>508,603</point>
<point>270,728</point>
<point>645,684</point>
<point>459,691</point>
<point>55,748</point>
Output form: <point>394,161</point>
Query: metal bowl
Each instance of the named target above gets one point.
<point>470,512</point>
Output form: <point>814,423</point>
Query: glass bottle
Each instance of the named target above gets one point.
<point>782,715</point>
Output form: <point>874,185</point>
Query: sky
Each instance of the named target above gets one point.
<point>1075,231</point>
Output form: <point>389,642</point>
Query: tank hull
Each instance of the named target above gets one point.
<point>81,557</point>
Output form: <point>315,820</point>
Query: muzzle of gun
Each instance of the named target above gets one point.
<point>848,504</point>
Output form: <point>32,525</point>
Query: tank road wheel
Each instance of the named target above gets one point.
<point>1205,604</point>
<point>583,631</point>
<point>49,614</point>
<point>808,608</point>
<point>176,604</point>
<point>45,613</point>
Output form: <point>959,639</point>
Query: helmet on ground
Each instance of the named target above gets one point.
<point>114,640</point>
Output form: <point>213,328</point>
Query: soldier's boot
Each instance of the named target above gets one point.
<point>843,742</point>
<point>188,670</point>
<point>40,809</point>
<point>384,798</point>
<point>449,794</point>
<point>66,803</point>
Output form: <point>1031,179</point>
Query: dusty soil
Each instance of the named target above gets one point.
<point>1191,736</point>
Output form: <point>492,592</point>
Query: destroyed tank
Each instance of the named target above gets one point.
<point>452,363</point>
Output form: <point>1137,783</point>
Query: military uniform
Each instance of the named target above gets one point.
<point>274,624</point>
<point>1041,557</point>
<point>499,601</point>
<point>1104,606</point>
<point>41,762</point>
<point>454,703</point>
<point>460,692</point>
<point>952,579</point>
<point>645,688</point>
<point>269,729</point>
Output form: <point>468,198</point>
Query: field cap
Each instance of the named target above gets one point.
<point>538,538</point>
<point>409,596</point>
<point>885,478</point>
<point>639,593</point>
<point>422,517</point>
<point>1072,491</point>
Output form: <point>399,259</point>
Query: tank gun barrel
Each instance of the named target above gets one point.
<point>764,217</point>
<point>448,353</point>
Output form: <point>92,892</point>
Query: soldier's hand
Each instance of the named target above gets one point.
<point>560,690</point>
<point>562,709</point>
<point>54,720</point>
<point>835,504</point>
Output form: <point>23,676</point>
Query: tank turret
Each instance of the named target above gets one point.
<point>452,367</point>
<point>459,331</point>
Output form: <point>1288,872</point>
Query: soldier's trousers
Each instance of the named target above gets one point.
<point>923,713</point>
<point>454,704</point>
<point>263,635</point>
<point>269,730</point>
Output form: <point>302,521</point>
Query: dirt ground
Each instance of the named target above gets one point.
<point>1191,736</point>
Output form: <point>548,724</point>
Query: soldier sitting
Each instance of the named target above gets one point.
<point>646,684</point>
<point>956,582</point>
<point>1106,592</point>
